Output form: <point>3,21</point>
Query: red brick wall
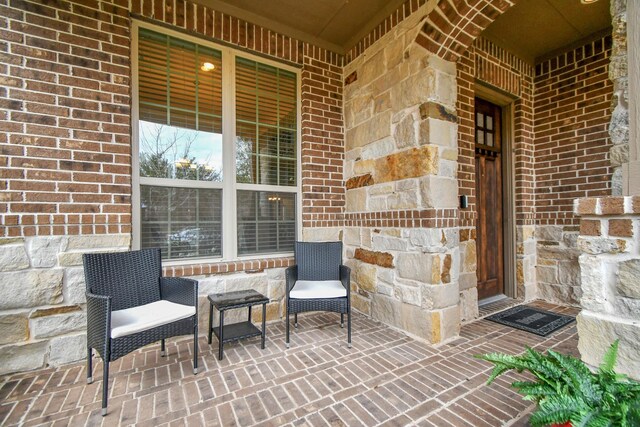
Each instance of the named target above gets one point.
<point>64,119</point>
<point>572,113</point>
<point>491,64</point>
<point>323,192</point>
<point>390,22</point>
<point>65,145</point>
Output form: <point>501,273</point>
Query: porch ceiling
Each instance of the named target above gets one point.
<point>333,24</point>
<point>533,29</point>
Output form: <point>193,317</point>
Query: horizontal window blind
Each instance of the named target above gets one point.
<point>266,222</point>
<point>175,86</point>
<point>182,222</point>
<point>266,120</point>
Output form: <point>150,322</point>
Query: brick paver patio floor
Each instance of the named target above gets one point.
<point>387,378</point>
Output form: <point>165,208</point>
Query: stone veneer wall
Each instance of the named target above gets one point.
<point>401,229</point>
<point>65,160</point>
<point>618,73</point>
<point>488,63</point>
<point>610,271</point>
<point>42,317</point>
<point>572,104</point>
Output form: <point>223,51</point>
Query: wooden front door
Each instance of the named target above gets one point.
<point>489,235</point>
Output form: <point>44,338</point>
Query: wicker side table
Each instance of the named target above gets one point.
<point>230,300</point>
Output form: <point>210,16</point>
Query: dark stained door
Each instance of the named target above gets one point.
<point>489,236</point>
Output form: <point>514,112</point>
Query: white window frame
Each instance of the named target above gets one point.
<point>228,185</point>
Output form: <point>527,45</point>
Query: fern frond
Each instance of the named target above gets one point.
<point>590,417</point>
<point>609,361</point>
<point>502,358</point>
<point>532,390</point>
<point>503,363</point>
<point>496,372</point>
<point>578,376</point>
<point>556,409</point>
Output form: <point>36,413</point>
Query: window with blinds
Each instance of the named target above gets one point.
<point>184,192</point>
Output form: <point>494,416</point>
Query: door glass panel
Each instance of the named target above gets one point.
<point>479,137</point>
<point>489,139</point>
<point>479,120</point>
<point>489,123</point>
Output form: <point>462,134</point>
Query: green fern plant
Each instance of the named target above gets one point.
<point>566,390</point>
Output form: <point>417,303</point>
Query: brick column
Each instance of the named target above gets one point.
<point>610,272</point>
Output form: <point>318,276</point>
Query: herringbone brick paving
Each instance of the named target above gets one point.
<point>386,379</point>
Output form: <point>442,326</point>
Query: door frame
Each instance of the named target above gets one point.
<point>506,102</point>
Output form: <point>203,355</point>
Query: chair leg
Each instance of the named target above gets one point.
<point>89,365</point>
<point>286,342</point>
<point>349,328</point>
<point>105,386</point>
<point>162,349</point>
<point>295,320</point>
<point>195,348</point>
<point>342,320</point>
<point>210,331</point>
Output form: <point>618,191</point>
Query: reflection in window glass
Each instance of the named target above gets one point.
<point>266,222</point>
<point>182,222</point>
<point>179,153</point>
<point>180,126</point>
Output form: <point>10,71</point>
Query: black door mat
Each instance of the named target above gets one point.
<point>530,319</point>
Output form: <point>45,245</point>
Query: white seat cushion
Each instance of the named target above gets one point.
<point>312,289</point>
<point>137,319</point>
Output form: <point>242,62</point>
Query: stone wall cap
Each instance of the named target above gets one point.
<point>607,206</point>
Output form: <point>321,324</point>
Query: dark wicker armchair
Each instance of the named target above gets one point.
<point>318,282</point>
<point>130,305</point>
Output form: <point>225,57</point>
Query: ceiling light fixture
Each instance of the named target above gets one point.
<point>588,1</point>
<point>208,66</point>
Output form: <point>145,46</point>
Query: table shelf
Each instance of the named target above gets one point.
<point>237,331</point>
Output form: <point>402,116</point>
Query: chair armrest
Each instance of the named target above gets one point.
<point>98,322</point>
<point>291,275</point>
<point>179,290</point>
<point>345,278</point>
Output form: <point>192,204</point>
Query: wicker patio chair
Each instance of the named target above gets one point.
<point>318,282</point>
<point>130,305</point>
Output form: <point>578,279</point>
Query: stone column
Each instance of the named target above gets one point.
<point>401,228</point>
<point>610,272</point>
<point>624,71</point>
<point>631,171</point>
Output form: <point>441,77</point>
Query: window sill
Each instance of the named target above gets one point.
<point>208,267</point>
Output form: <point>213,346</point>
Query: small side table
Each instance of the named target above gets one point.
<point>230,300</point>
